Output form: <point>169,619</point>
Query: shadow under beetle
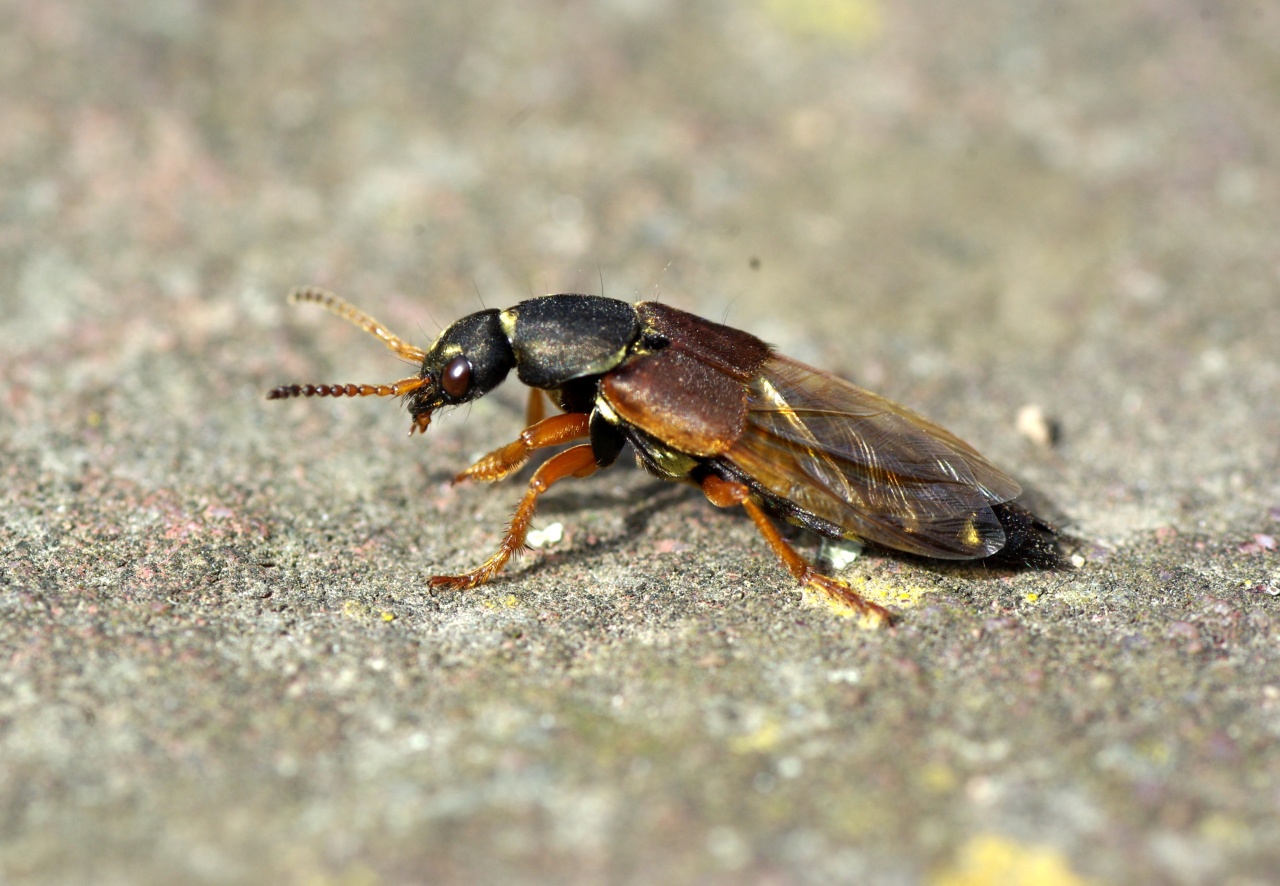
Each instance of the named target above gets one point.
<point>707,404</point>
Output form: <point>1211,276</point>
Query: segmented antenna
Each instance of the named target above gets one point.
<point>349,312</point>
<point>395,389</point>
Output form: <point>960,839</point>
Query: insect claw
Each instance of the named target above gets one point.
<point>838,592</point>
<point>462,582</point>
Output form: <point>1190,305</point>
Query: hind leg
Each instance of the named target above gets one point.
<point>726,494</point>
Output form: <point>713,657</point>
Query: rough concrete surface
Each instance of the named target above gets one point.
<point>221,661</point>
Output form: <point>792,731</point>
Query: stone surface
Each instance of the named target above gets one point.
<point>221,661</point>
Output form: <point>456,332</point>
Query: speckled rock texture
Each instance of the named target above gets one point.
<point>221,661</point>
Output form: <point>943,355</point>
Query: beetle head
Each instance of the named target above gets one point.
<point>467,361</point>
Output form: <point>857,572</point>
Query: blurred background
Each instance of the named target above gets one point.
<point>222,661</point>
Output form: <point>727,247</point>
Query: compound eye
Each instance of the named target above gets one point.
<point>457,377</point>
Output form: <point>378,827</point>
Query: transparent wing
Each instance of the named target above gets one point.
<point>868,465</point>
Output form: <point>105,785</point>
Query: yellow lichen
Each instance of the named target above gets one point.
<point>847,21</point>
<point>993,860</point>
<point>510,601</point>
<point>764,738</point>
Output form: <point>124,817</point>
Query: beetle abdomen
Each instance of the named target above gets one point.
<point>1030,541</point>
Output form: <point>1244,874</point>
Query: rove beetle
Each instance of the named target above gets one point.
<point>707,404</point>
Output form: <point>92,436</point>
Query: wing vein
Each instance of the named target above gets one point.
<point>867,465</point>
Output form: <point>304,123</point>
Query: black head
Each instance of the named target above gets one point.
<point>468,360</point>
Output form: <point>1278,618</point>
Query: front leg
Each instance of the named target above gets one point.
<point>577,461</point>
<point>508,459</point>
<point>536,409</point>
